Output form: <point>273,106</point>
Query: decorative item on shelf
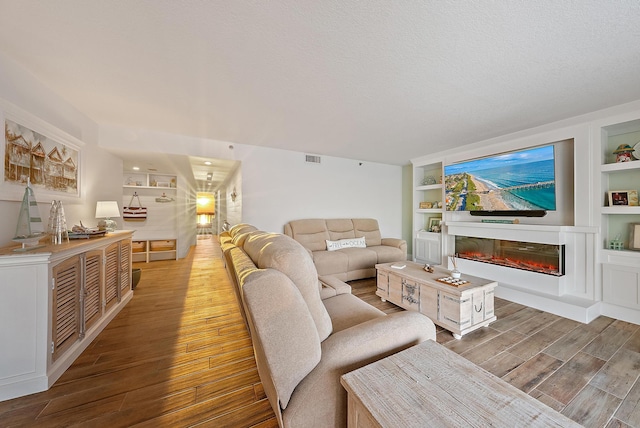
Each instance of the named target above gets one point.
<point>428,268</point>
<point>426,205</point>
<point>105,210</point>
<point>455,273</point>
<point>634,236</point>
<point>623,153</point>
<point>623,198</point>
<point>636,151</point>
<point>164,198</point>
<point>233,195</point>
<point>58,224</point>
<point>437,204</point>
<point>428,180</point>
<point>616,244</point>
<point>434,224</point>
<point>173,183</point>
<point>134,213</point>
<point>29,230</point>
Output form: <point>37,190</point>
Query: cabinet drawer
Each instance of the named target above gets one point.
<point>621,285</point>
<point>429,301</point>
<point>139,246</point>
<point>165,245</point>
<point>455,311</point>
<point>395,289</point>
<point>382,285</point>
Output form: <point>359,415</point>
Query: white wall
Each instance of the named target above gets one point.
<point>233,208</point>
<point>278,186</point>
<point>21,89</point>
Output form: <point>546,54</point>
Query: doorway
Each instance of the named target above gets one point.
<point>205,213</point>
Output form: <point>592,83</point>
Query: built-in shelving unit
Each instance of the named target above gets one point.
<point>428,203</point>
<point>150,181</point>
<point>154,249</point>
<point>155,238</point>
<point>623,176</point>
<point>620,264</point>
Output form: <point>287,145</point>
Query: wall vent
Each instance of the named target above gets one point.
<point>312,159</point>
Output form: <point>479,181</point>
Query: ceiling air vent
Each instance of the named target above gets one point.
<point>312,159</point>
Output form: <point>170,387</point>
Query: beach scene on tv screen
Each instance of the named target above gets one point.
<point>516,181</point>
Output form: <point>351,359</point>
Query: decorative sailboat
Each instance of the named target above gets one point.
<point>30,229</point>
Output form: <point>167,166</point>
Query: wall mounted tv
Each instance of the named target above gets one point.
<point>515,183</point>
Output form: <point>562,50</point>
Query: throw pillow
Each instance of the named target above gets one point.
<point>333,245</point>
<point>357,243</point>
<point>346,243</point>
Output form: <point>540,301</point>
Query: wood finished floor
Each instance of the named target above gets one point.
<point>179,355</point>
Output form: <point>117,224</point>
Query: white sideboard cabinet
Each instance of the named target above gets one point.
<point>55,300</point>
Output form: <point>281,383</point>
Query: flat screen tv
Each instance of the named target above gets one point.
<point>515,183</point>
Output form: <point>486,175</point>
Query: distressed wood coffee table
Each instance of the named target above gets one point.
<point>428,385</point>
<point>460,308</point>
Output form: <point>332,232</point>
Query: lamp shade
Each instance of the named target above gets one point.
<point>107,209</point>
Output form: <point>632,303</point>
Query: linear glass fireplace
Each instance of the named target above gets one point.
<point>542,258</point>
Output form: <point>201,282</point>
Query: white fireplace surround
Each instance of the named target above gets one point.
<point>572,295</point>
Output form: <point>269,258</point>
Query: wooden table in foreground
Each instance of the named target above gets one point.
<point>428,385</point>
<point>460,309</point>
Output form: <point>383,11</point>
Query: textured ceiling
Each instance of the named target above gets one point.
<point>375,80</point>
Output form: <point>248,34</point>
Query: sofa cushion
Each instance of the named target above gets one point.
<point>283,331</point>
<point>346,310</point>
<point>360,258</point>
<point>320,400</point>
<point>368,227</point>
<point>280,252</point>
<point>311,233</point>
<point>330,262</point>
<point>386,254</point>
<point>340,228</point>
<point>240,232</point>
<point>241,227</point>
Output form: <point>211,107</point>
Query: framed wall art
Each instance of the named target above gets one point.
<point>33,150</point>
<point>434,224</point>
<point>634,236</point>
<point>619,198</point>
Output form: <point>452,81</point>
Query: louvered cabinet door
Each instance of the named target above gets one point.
<point>66,309</point>
<point>92,291</point>
<point>111,274</point>
<point>125,267</point>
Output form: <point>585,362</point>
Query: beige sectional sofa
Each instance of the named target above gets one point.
<point>306,333</point>
<point>320,236</point>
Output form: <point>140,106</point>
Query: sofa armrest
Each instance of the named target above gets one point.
<point>395,242</point>
<point>334,283</point>
<point>320,399</point>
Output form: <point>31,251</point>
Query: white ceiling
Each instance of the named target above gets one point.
<point>375,80</point>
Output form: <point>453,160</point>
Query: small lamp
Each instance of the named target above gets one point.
<point>106,210</point>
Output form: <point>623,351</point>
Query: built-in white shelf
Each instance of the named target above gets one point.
<point>621,210</point>
<point>429,187</point>
<point>619,167</point>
